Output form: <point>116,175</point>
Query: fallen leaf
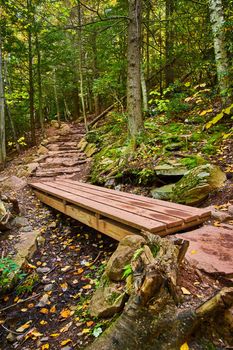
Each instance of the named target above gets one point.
<point>87,286</point>
<point>30,306</point>
<point>45,347</point>
<point>185,291</point>
<point>65,342</point>
<point>54,335</point>
<point>193,251</point>
<point>22,328</point>
<point>64,286</point>
<point>53,309</point>
<point>44,311</point>
<point>43,322</point>
<point>65,313</point>
<point>86,330</point>
<point>89,323</point>
<point>24,310</point>
<point>79,271</point>
<point>66,327</point>
<point>184,347</point>
<point>66,268</point>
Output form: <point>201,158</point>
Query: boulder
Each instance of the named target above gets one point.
<point>107,300</point>
<point>12,183</point>
<point>176,169</point>
<point>20,221</point>
<point>194,186</point>
<point>64,130</point>
<point>122,256</point>
<point>55,124</point>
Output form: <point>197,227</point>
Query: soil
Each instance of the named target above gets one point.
<point>66,269</point>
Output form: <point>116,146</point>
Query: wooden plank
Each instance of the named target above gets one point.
<point>184,208</point>
<point>112,213</point>
<point>163,212</point>
<point>160,217</point>
<point>107,226</point>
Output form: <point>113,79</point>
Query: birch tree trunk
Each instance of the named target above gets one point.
<point>134,98</point>
<point>2,113</point>
<point>217,21</point>
<point>80,65</point>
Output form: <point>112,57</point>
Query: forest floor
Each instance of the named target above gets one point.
<point>49,309</point>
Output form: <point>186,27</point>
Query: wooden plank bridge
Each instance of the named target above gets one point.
<point>116,213</point>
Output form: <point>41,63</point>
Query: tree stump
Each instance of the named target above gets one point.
<point>154,316</point>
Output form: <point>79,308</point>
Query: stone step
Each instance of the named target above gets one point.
<point>65,163</point>
<point>56,171</point>
<point>210,249</point>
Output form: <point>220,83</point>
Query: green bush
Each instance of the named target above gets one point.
<point>9,273</point>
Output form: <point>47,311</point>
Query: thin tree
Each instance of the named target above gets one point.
<point>134,98</point>
<point>2,112</point>
<point>217,21</point>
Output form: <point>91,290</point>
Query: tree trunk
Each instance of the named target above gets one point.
<point>217,21</point>
<point>153,318</point>
<point>134,99</point>
<point>11,122</point>
<point>80,65</point>
<point>2,113</point>
<point>56,98</point>
<point>169,43</point>
<point>144,91</point>
<point>30,73</point>
<point>40,107</point>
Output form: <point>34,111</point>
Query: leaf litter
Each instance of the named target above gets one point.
<point>56,314</point>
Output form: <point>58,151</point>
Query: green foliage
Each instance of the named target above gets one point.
<point>155,248</point>
<point>192,161</point>
<point>28,284</point>
<point>9,273</point>
<point>219,116</point>
<point>127,271</point>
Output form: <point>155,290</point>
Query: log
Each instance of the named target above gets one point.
<point>154,318</point>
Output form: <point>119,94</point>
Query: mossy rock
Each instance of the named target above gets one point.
<point>194,186</point>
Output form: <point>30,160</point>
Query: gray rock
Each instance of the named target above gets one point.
<point>42,150</point>
<point>220,215</point>
<point>44,300</point>
<point>12,183</point>
<point>122,256</point>
<point>28,228</point>
<point>176,169</point>
<point>11,337</point>
<point>20,221</point>
<point>48,287</point>
<point>107,300</point>
<point>43,269</point>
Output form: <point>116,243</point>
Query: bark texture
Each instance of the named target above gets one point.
<point>2,112</point>
<point>217,20</point>
<point>134,98</point>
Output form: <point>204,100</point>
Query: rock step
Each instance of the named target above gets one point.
<point>56,171</point>
<point>67,163</point>
<point>58,159</point>
<point>68,153</point>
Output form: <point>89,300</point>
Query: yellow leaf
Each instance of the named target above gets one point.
<point>54,335</point>
<point>89,323</point>
<point>193,251</point>
<point>184,347</point>
<point>35,334</point>
<point>206,111</point>
<point>65,342</point>
<point>44,311</point>
<point>53,309</point>
<point>45,347</point>
<point>23,327</point>
<point>65,313</point>
<point>43,322</point>
<point>66,328</point>
<point>85,330</point>
<point>87,286</point>
<point>185,291</point>
<point>64,286</point>
<point>79,271</point>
